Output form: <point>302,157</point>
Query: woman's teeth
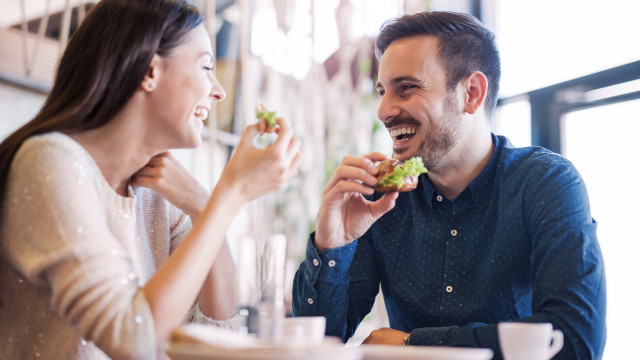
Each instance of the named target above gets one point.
<point>201,114</point>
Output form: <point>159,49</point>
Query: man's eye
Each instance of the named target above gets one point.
<point>407,87</point>
<point>381,92</point>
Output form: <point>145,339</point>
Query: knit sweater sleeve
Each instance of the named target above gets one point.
<point>62,238</point>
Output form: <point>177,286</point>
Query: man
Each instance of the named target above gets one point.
<point>492,233</point>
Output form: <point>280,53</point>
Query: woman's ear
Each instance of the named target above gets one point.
<point>150,80</point>
<point>475,86</point>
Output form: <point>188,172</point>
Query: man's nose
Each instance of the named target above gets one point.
<point>387,109</point>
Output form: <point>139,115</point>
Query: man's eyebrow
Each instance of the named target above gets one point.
<point>399,80</point>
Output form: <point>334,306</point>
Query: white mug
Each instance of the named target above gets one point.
<point>304,330</point>
<point>529,341</point>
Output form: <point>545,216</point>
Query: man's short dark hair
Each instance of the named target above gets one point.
<point>465,46</point>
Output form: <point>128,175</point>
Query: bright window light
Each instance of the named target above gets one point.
<point>291,51</point>
<point>545,42</point>
<point>602,143</point>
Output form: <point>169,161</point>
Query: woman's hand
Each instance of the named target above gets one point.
<point>165,175</point>
<point>254,172</point>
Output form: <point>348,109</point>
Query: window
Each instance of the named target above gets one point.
<point>573,64</point>
<point>602,144</point>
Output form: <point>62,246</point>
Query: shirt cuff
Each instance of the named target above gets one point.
<point>430,336</point>
<point>329,263</point>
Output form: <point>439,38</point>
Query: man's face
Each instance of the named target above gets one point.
<point>422,117</point>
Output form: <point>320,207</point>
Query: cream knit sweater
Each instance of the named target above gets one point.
<point>74,256</point>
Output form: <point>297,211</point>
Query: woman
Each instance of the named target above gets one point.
<point>94,208</point>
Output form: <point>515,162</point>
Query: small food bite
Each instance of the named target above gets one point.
<point>266,116</point>
<point>394,175</point>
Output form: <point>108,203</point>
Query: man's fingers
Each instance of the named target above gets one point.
<point>358,168</point>
<point>384,204</point>
<point>375,156</point>
<point>352,174</point>
<point>345,186</point>
<point>364,162</point>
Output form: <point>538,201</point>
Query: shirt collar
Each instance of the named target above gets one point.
<point>480,187</point>
<point>428,190</point>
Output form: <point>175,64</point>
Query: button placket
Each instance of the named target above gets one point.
<point>451,268</point>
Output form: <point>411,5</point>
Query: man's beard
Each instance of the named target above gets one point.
<point>443,136</point>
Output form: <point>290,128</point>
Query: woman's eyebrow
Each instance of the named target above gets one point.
<point>207,53</point>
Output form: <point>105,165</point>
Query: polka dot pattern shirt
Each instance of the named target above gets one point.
<point>519,243</point>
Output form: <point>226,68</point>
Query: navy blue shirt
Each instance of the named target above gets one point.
<point>519,243</point>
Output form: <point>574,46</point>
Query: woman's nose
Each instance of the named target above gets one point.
<point>217,91</point>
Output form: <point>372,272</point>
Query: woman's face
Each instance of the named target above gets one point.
<point>185,89</point>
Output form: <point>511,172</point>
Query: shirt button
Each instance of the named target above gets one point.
<point>316,262</point>
<point>310,301</point>
<point>331,263</point>
<point>439,197</point>
<point>454,232</point>
<point>449,289</point>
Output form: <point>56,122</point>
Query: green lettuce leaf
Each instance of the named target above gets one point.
<point>411,167</point>
<point>270,116</point>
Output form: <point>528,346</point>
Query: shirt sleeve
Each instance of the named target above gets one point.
<point>323,286</point>
<point>566,266</point>
<point>60,239</point>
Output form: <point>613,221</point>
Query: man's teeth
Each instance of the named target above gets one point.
<point>401,131</point>
<point>201,114</point>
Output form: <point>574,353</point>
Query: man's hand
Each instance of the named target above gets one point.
<point>344,213</point>
<point>386,336</point>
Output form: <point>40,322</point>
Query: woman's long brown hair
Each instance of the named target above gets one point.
<point>103,65</point>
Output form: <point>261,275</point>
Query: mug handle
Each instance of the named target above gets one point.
<point>557,341</point>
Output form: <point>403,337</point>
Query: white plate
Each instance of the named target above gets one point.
<point>199,351</point>
<point>386,352</point>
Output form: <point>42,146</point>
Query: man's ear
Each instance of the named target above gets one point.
<point>151,78</point>
<point>475,86</point>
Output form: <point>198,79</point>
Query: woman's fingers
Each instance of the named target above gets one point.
<point>285,133</point>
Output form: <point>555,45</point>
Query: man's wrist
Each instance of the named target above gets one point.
<point>406,340</point>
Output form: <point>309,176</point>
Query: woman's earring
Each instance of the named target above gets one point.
<point>151,85</point>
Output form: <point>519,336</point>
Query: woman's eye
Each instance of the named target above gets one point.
<point>208,68</point>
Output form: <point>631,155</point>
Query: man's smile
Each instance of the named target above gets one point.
<point>402,135</point>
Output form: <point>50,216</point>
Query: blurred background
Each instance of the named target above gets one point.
<point>570,83</point>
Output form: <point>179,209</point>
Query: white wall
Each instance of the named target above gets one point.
<point>17,106</point>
